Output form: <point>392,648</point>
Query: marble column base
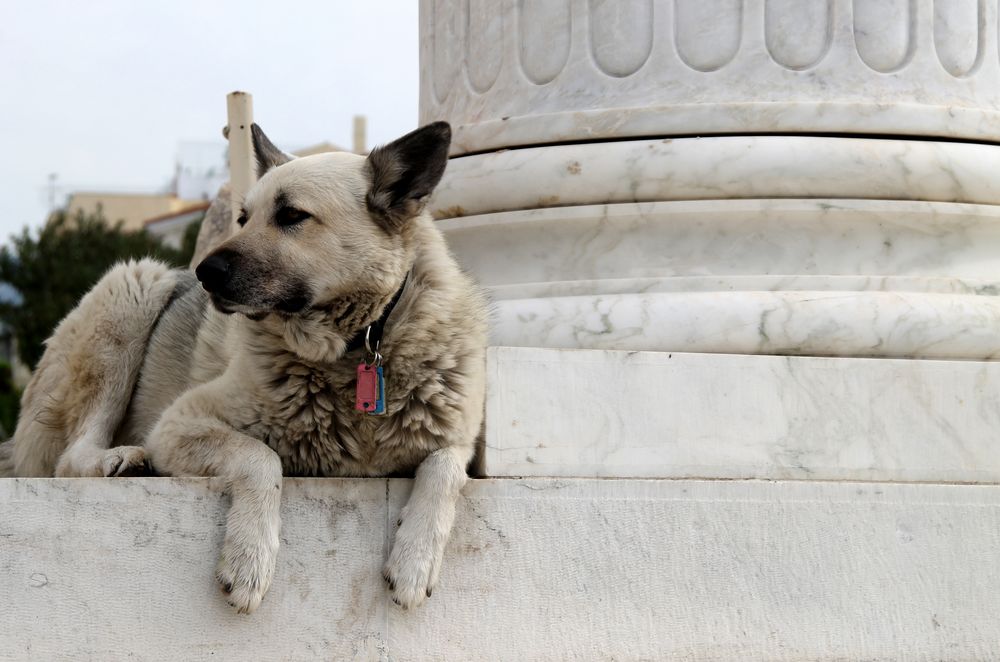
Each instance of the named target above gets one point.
<point>718,168</point>
<point>810,323</point>
<point>739,238</point>
<point>588,413</point>
<point>819,277</point>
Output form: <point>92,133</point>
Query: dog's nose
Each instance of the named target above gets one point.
<point>213,272</point>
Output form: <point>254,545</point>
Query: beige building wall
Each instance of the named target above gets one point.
<point>132,209</point>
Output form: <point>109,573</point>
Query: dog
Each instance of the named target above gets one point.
<point>271,366</point>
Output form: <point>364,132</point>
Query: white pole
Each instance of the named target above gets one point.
<point>359,135</point>
<point>242,174</point>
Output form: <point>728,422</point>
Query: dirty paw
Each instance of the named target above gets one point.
<point>244,573</point>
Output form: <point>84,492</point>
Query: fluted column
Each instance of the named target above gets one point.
<point>746,176</point>
<point>519,72</point>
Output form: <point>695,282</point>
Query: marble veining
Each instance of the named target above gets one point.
<point>677,284</point>
<point>656,415</point>
<point>959,28</point>
<point>885,32</point>
<point>707,34</point>
<point>445,42</point>
<point>719,168</point>
<point>814,277</point>
<point>536,569</point>
<point>897,324</point>
<point>828,240</point>
<point>544,38</point>
<point>484,35</point>
<point>798,33</point>
<point>574,70</point>
<point>609,21</point>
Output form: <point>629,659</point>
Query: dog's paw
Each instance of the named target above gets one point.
<point>125,461</point>
<point>245,571</point>
<point>412,568</point>
<point>91,461</point>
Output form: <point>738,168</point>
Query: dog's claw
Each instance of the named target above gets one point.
<point>244,574</point>
<point>125,461</point>
<point>429,591</point>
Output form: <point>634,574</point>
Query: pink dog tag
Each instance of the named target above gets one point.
<point>366,396</point>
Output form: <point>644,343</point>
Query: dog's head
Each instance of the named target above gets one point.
<point>317,228</point>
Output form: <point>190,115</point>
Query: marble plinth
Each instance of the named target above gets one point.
<point>543,569</point>
<point>818,277</point>
<point>718,168</point>
<point>734,241</point>
<point>660,415</point>
<point>520,72</point>
<point>820,323</point>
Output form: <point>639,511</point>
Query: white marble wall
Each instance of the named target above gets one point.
<point>586,413</point>
<point>520,72</point>
<point>538,569</point>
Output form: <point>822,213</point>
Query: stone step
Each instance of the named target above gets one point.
<point>594,413</point>
<point>537,569</point>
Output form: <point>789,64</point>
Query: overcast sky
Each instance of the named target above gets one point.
<point>101,92</point>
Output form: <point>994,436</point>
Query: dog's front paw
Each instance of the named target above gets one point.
<point>85,460</point>
<point>413,565</point>
<point>125,461</point>
<point>245,571</point>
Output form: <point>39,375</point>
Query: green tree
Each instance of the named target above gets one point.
<point>190,240</point>
<point>53,268</point>
<point>9,402</point>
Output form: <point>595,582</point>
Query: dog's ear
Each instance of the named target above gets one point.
<point>268,156</point>
<point>405,172</point>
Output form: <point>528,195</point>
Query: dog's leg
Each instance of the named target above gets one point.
<point>425,524</point>
<point>82,386</point>
<point>192,440</point>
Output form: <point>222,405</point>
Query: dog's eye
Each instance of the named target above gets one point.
<point>242,220</point>
<point>290,216</point>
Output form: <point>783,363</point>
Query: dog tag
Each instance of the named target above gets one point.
<point>368,390</point>
<point>380,403</point>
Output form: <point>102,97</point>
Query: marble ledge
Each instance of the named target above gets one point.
<point>857,118</point>
<point>897,324</point>
<point>767,283</point>
<point>667,242</point>
<point>590,413</point>
<point>718,168</point>
<point>541,569</point>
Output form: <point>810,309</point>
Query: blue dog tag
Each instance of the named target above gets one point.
<point>380,401</point>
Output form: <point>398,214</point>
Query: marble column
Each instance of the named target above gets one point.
<point>737,176</point>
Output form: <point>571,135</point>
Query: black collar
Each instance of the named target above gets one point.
<point>375,329</point>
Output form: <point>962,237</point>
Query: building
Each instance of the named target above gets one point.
<point>201,169</point>
<point>170,228</point>
<point>132,209</point>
